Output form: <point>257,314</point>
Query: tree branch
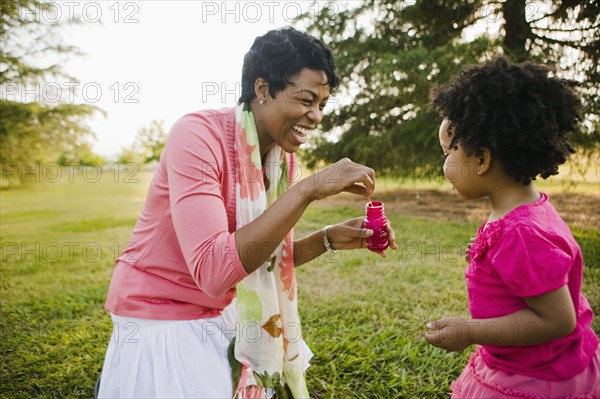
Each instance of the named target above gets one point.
<point>565,30</point>
<point>553,13</point>
<point>561,42</point>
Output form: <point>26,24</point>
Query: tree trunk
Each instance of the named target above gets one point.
<point>517,29</point>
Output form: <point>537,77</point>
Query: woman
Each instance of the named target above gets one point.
<point>218,223</point>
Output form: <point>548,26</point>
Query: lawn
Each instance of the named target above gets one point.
<point>363,316</point>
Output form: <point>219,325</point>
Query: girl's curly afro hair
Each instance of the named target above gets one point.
<point>518,111</point>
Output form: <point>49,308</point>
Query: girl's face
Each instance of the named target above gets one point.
<point>459,168</point>
<point>288,119</point>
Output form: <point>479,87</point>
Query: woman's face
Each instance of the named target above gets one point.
<point>288,119</point>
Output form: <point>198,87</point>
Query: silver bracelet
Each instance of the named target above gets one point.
<point>328,245</point>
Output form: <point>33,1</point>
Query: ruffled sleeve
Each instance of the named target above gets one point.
<point>485,239</point>
<point>532,262</point>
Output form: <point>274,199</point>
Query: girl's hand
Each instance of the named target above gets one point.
<point>467,250</point>
<point>344,175</point>
<point>351,234</point>
<point>450,333</point>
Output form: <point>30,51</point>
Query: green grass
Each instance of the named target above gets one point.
<point>362,315</point>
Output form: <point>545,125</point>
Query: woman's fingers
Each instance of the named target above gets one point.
<point>362,183</point>
<point>357,231</point>
<point>391,236</point>
<point>368,180</point>
<point>350,234</point>
<point>356,222</point>
<point>345,175</point>
<point>356,189</point>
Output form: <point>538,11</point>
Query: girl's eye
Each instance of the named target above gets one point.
<point>307,102</point>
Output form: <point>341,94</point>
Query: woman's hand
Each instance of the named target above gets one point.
<point>450,333</point>
<point>344,175</point>
<point>351,234</point>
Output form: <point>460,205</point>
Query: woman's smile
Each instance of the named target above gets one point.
<point>300,133</point>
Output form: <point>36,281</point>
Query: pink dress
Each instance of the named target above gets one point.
<point>529,252</point>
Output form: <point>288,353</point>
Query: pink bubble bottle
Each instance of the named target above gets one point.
<point>376,220</point>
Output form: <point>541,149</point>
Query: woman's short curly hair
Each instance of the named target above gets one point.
<point>520,112</point>
<point>280,54</point>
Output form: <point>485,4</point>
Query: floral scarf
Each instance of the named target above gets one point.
<point>265,355</point>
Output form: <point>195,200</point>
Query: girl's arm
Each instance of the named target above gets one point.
<point>547,317</point>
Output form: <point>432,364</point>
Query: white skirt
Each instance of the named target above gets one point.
<point>170,358</point>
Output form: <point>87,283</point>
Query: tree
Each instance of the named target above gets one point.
<point>389,54</point>
<point>147,145</point>
<point>38,131</point>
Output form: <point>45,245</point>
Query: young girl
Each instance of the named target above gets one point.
<point>505,124</point>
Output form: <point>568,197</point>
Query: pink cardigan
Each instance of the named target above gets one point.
<point>181,261</point>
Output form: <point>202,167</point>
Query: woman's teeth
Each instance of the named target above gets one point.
<point>301,129</point>
<point>300,133</point>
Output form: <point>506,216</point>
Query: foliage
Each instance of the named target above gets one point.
<point>33,133</point>
<point>390,52</point>
<point>147,145</point>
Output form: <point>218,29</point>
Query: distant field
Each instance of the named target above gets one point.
<point>363,316</point>
<point>577,176</point>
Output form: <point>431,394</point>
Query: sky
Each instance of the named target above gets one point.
<point>161,59</point>
<point>158,60</point>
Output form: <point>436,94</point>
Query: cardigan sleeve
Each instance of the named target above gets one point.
<point>195,152</point>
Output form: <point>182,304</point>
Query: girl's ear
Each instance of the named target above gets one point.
<point>485,161</point>
<point>261,89</point>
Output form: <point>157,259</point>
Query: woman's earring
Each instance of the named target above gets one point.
<point>261,101</point>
